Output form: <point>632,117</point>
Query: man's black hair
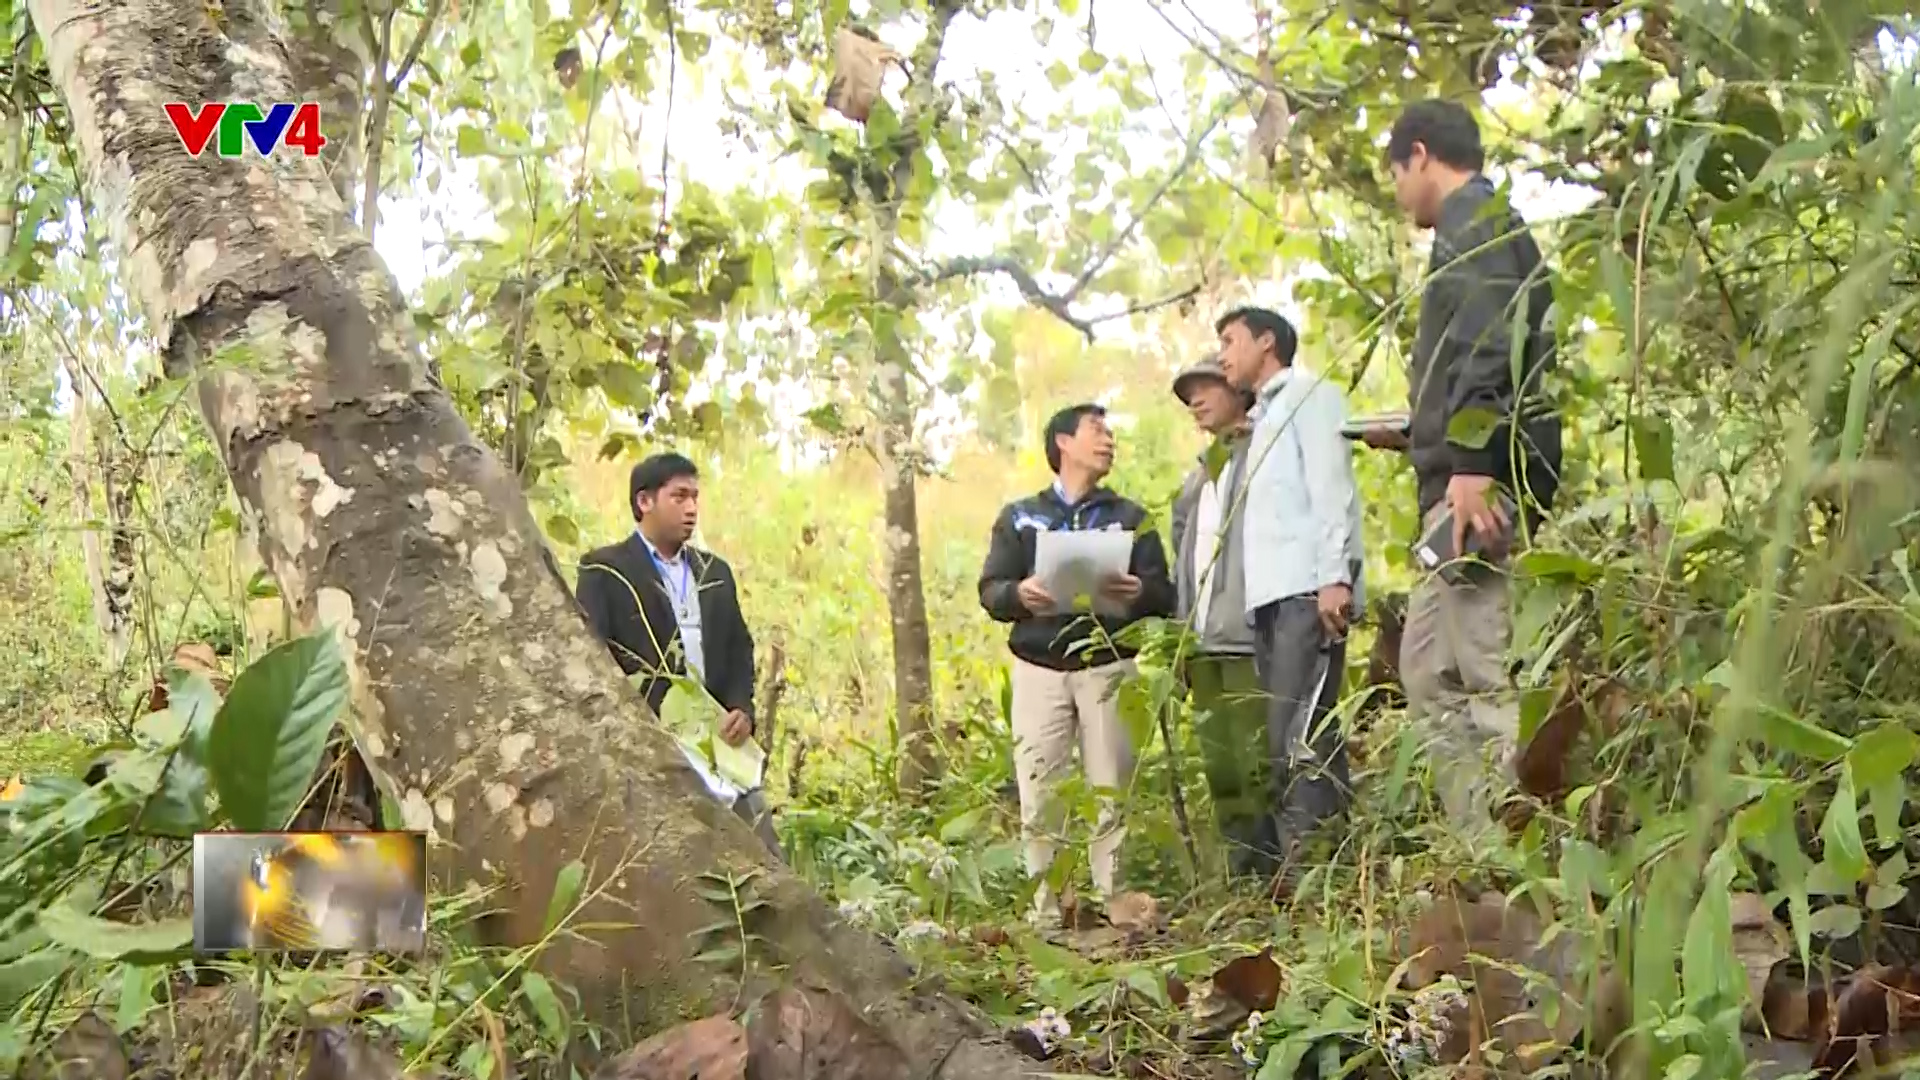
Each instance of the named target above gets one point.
<point>1260,322</point>
<point>655,473</point>
<point>1064,425</point>
<point>1445,128</point>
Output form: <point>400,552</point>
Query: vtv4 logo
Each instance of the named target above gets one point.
<point>241,122</point>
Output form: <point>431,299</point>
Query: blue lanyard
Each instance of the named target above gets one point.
<point>682,597</point>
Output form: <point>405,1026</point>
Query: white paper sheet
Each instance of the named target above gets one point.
<point>1071,565</point>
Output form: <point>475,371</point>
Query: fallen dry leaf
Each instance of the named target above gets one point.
<point>1253,982</point>
<point>1177,990</point>
<point>991,936</point>
<point>1876,1011</point>
<point>712,1049</point>
<point>1760,942</point>
<point>1215,1015</point>
<point>859,64</point>
<point>1487,944</point>
<point>1135,912</point>
<point>12,789</point>
<point>342,1054</point>
<point>805,1033</point>
<point>87,1050</point>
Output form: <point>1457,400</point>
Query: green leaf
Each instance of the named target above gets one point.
<point>1059,75</point>
<point>1653,446</point>
<point>832,14</point>
<point>566,893</point>
<point>962,826</point>
<point>1092,62</point>
<point>545,1005</point>
<point>1840,833</point>
<point>1472,428</point>
<point>104,939</point>
<point>722,954</point>
<point>268,737</point>
<point>470,53</point>
<point>19,978</point>
<point>626,385</point>
<point>470,142</point>
<point>1881,753</point>
<point>1790,734</point>
<point>563,530</point>
<point>1838,922</point>
<point>1149,986</point>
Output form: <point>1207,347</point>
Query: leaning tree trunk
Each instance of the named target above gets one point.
<point>483,703</point>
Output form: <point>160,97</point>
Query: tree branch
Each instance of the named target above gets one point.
<point>1099,262</point>
<point>1060,307</point>
<point>419,42</point>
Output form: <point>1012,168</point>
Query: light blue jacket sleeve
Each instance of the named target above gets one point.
<point>1327,460</point>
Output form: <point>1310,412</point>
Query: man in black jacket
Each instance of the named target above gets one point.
<point>665,607</point>
<point>1067,665</point>
<point>1483,439</point>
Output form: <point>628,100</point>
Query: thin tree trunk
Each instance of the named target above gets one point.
<point>80,458</point>
<point>906,585</point>
<point>488,711</point>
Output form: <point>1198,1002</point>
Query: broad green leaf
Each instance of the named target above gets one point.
<point>566,894</point>
<point>961,827</point>
<point>1840,832</point>
<point>1881,753</point>
<point>470,142</point>
<point>1059,75</point>
<point>1707,959</point>
<point>1092,62</point>
<point>1653,446</point>
<point>545,1005</point>
<point>1789,734</point>
<point>625,384</point>
<point>1838,922</point>
<point>1472,428</point>
<point>269,735</point>
<point>21,977</point>
<point>104,939</point>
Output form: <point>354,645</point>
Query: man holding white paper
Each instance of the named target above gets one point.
<point>1070,568</point>
<point>670,613</point>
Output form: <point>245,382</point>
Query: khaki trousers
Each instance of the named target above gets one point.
<point>1453,665</point>
<point>1053,712</point>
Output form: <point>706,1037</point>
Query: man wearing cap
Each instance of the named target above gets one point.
<point>1230,712</point>
<point>1302,524</point>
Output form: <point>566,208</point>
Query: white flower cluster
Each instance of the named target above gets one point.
<point>920,930</point>
<point>1428,1023</point>
<point>1050,1028</point>
<point>929,854</point>
<point>1246,1041</point>
<point>859,912</point>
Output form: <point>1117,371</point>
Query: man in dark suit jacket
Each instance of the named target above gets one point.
<point>665,607</point>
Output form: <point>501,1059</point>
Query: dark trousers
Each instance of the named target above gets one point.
<point>1230,717</point>
<point>1301,671</point>
<point>752,809</point>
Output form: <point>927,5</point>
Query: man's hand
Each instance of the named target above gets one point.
<point>1121,589</point>
<point>736,728</point>
<point>1385,439</point>
<point>1469,499</point>
<point>1034,596</point>
<point>1335,601</point>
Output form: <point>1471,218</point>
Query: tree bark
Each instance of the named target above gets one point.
<point>327,69</point>
<point>483,704</point>
<point>899,468</point>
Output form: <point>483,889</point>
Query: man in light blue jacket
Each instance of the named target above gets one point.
<point>1301,531</point>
